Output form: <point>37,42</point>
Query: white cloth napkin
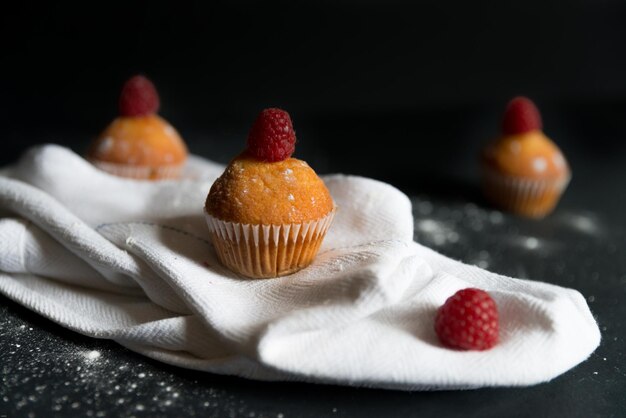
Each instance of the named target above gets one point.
<point>131,261</point>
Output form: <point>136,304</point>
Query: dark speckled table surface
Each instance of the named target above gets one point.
<point>50,371</point>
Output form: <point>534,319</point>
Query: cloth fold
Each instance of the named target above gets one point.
<point>132,261</point>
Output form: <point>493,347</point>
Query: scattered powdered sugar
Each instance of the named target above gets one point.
<point>439,232</point>
<point>515,147</point>
<point>92,355</point>
<point>558,160</point>
<point>423,207</point>
<point>482,259</point>
<point>496,217</point>
<point>531,243</point>
<point>70,375</point>
<point>170,131</point>
<point>288,175</point>
<point>540,164</point>
<point>586,223</point>
<point>480,235</point>
<point>105,146</point>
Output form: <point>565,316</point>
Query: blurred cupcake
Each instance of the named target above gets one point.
<point>268,213</point>
<point>139,144</point>
<point>523,171</point>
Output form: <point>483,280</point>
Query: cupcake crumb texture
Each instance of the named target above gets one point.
<point>255,192</point>
<point>143,140</point>
<point>529,154</point>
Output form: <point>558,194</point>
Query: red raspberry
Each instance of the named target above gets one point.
<point>468,320</point>
<point>521,115</point>
<point>139,97</point>
<point>272,137</point>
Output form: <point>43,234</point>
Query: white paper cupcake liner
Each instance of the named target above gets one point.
<point>260,251</point>
<point>535,198</point>
<point>139,171</point>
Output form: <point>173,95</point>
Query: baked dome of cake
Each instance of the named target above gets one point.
<point>144,141</point>
<point>255,192</point>
<point>529,154</point>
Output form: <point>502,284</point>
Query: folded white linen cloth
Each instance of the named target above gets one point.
<point>131,261</point>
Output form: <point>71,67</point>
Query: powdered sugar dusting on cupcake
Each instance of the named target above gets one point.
<point>558,160</point>
<point>105,145</point>
<point>515,147</point>
<point>288,174</point>
<point>171,132</point>
<point>540,164</point>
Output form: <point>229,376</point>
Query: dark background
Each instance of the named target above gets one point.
<point>365,81</point>
<point>407,92</point>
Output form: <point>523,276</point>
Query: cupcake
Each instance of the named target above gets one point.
<point>523,171</point>
<point>139,144</point>
<point>268,213</point>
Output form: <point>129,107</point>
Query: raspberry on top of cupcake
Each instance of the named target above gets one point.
<point>276,205</point>
<point>523,170</point>
<point>138,143</point>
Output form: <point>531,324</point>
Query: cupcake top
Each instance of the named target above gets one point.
<point>255,192</point>
<point>264,185</point>
<point>139,136</point>
<point>523,149</point>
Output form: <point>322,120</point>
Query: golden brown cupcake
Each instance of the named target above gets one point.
<point>268,213</point>
<point>523,171</point>
<point>139,144</point>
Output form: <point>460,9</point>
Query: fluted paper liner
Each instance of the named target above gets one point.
<point>529,197</point>
<point>140,171</point>
<point>261,251</point>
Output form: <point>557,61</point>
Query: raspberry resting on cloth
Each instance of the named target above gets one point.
<point>130,261</point>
